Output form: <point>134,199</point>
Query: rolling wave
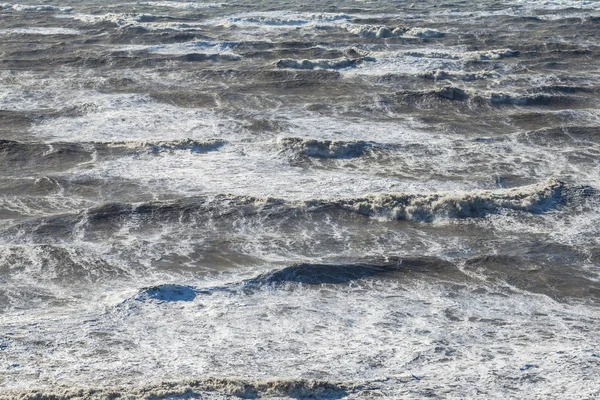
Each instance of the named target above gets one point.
<point>323,64</point>
<point>560,282</point>
<point>236,387</point>
<point>473,98</point>
<point>36,153</point>
<point>407,147</point>
<point>567,134</point>
<point>311,274</point>
<point>328,149</point>
<point>536,199</point>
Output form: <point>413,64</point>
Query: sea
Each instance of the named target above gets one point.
<point>282,199</point>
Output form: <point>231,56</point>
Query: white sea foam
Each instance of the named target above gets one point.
<point>39,31</point>
<point>258,169</point>
<point>559,4</point>
<point>130,20</point>
<point>420,61</point>
<point>383,32</point>
<point>336,64</point>
<point>27,7</point>
<point>129,117</point>
<point>369,31</point>
<point>286,19</point>
<point>182,5</point>
<point>86,288</point>
<point>326,333</point>
<point>258,24</point>
<point>197,46</point>
<point>424,33</point>
<point>413,61</point>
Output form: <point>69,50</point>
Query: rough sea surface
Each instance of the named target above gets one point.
<point>317,199</point>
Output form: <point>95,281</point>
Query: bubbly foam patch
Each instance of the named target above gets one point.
<point>421,60</point>
<point>558,4</point>
<point>39,31</point>
<point>135,20</point>
<point>27,7</point>
<point>339,64</point>
<point>460,328</point>
<point>287,19</point>
<point>203,47</point>
<point>129,117</point>
<point>384,200</point>
<point>324,148</point>
<point>182,5</point>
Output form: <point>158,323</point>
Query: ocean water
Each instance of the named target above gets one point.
<point>318,199</point>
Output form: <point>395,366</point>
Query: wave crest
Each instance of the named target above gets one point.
<point>340,63</point>
<point>321,148</point>
<point>25,152</point>
<point>317,274</point>
<point>534,198</point>
<point>242,388</point>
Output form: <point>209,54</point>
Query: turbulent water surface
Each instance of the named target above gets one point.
<point>330,199</point>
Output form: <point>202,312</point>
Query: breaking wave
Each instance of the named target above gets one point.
<point>320,148</point>
<point>55,263</point>
<point>287,19</point>
<point>441,75</point>
<point>182,5</point>
<point>158,146</point>
<point>423,33</point>
<point>492,54</point>
<point>384,32</point>
<point>476,98</point>
<point>379,32</point>
<point>240,388</point>
<point>483,55</point>
<point>37,275</point>
<point>323,64</point>
<point>536,199</point>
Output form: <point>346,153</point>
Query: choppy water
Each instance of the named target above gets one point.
<point>343,199</point>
